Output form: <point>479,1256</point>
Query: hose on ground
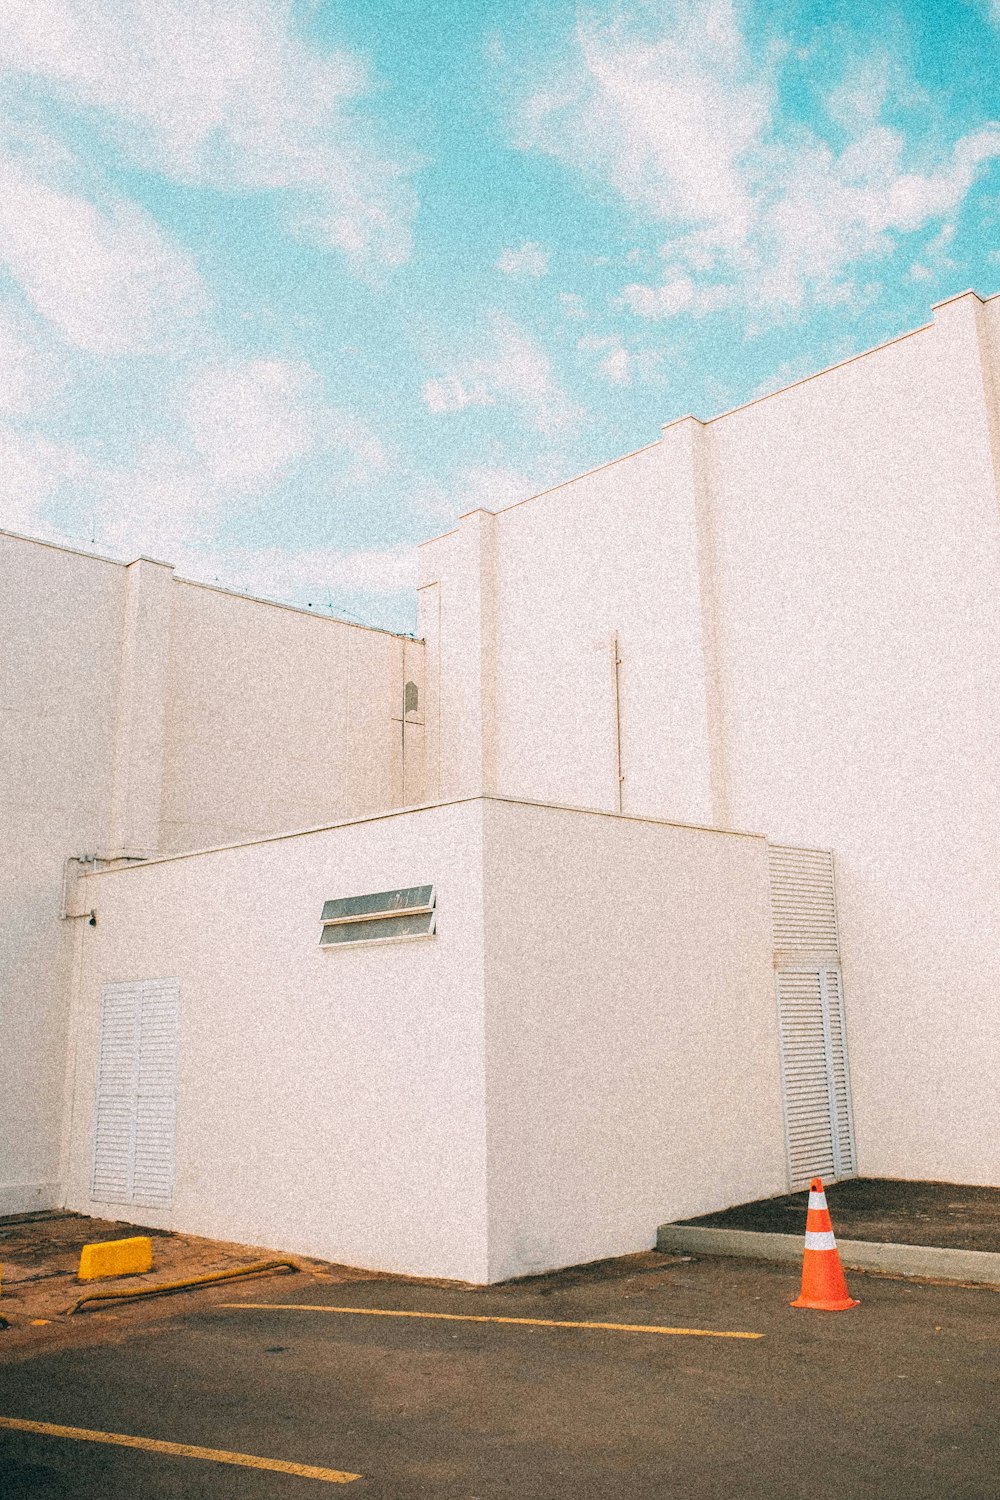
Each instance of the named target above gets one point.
<point>163,1287</point>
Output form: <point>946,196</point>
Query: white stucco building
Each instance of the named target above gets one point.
<point>602,784</point>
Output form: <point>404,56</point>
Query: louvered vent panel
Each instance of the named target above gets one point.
<point>807,1099</point>
<point>803,907</point>
<point>136,1093</point>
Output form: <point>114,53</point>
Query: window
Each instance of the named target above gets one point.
<point>382,917</point>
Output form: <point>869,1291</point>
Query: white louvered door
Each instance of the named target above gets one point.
<point>815,1076</point>
<point>137,1093</point>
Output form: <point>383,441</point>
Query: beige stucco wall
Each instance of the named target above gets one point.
<point>631,1036</point>
<point>278,719</point>
<point>858,559</point>
<point>526,606</point>
<point>569,1061</point>
<point>330,1101</point>
<point>61,621</point>
<point>806,596</point>
<point>141,714</point>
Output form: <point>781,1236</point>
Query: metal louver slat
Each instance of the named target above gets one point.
<point>841,1078</point>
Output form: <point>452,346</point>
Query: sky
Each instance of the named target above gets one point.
<point>285,288</point>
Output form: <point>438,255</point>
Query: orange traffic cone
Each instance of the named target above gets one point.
<point>823,1284</point>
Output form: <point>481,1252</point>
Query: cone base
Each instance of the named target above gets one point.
<point>841,1306</point>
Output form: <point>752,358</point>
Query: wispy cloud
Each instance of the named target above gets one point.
<point>238,430</point>
<point>517,374</point>
<point>226,96</point>
<point>35,469</point>
<point>103,274</point>
<point>487,486</point>
<point>619,365</point>
<point>684,119</point>
<point>250,420</point>
<point>29,375</point>
<point>530,260</point>
<point>679,294</point>
<point>573,305</point>
<point>321,572</point>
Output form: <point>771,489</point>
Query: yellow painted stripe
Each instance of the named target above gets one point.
<point>390,1312</point>
<point>179,1450</point>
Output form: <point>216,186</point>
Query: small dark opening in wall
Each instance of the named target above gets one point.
<point>411,697</point>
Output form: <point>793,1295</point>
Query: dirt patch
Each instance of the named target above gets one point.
<point>40,1254</point>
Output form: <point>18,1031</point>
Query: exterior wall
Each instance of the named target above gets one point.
<point>805,597</point>
<point>63,613</point>
<point>859,618</point>
<point>142,714</point>
<point>277,719</point>
<point>548,585</point>
<point>631,1034</point>
<point>330,1101</point>
<point>586,1047</point>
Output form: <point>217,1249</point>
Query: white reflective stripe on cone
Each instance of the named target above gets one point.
<point>817,1200</point>
<point>823,1240</point>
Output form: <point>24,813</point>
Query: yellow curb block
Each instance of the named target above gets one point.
<point>116,1258</point>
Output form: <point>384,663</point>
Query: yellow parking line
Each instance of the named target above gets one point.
<point>391,1312</point>
<point>179,1450</point>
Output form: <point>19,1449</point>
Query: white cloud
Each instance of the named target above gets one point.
<point>277,573</point>
<point>683,120</point>
<point>531,260</point>
<point>488,486</point>
<point>34,469</point>
<point>452,394</point>
<point>666,121</point>
<point>680,294</point>
<point>29,377</point>
<point>572,304</point>
<point>226,96</point>
<point>250,420</point>
<point>517,373</point>
<point>616,366</point>
<point>238,429</point>
<point>105,277</point>
<point>620,365</point>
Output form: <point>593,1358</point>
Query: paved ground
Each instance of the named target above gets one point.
<point>875,1208</point>
<point>896,1399</point>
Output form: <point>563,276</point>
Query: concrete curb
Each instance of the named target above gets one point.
<point>979,1266</point>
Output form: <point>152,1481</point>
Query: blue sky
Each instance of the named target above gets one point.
<point>286,288</point>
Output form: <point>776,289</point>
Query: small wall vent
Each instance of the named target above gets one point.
<point>381,917</point>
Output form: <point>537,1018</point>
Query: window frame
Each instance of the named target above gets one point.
<point>427,908</point>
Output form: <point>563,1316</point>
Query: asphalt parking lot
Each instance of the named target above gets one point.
<point>897,1398</point>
